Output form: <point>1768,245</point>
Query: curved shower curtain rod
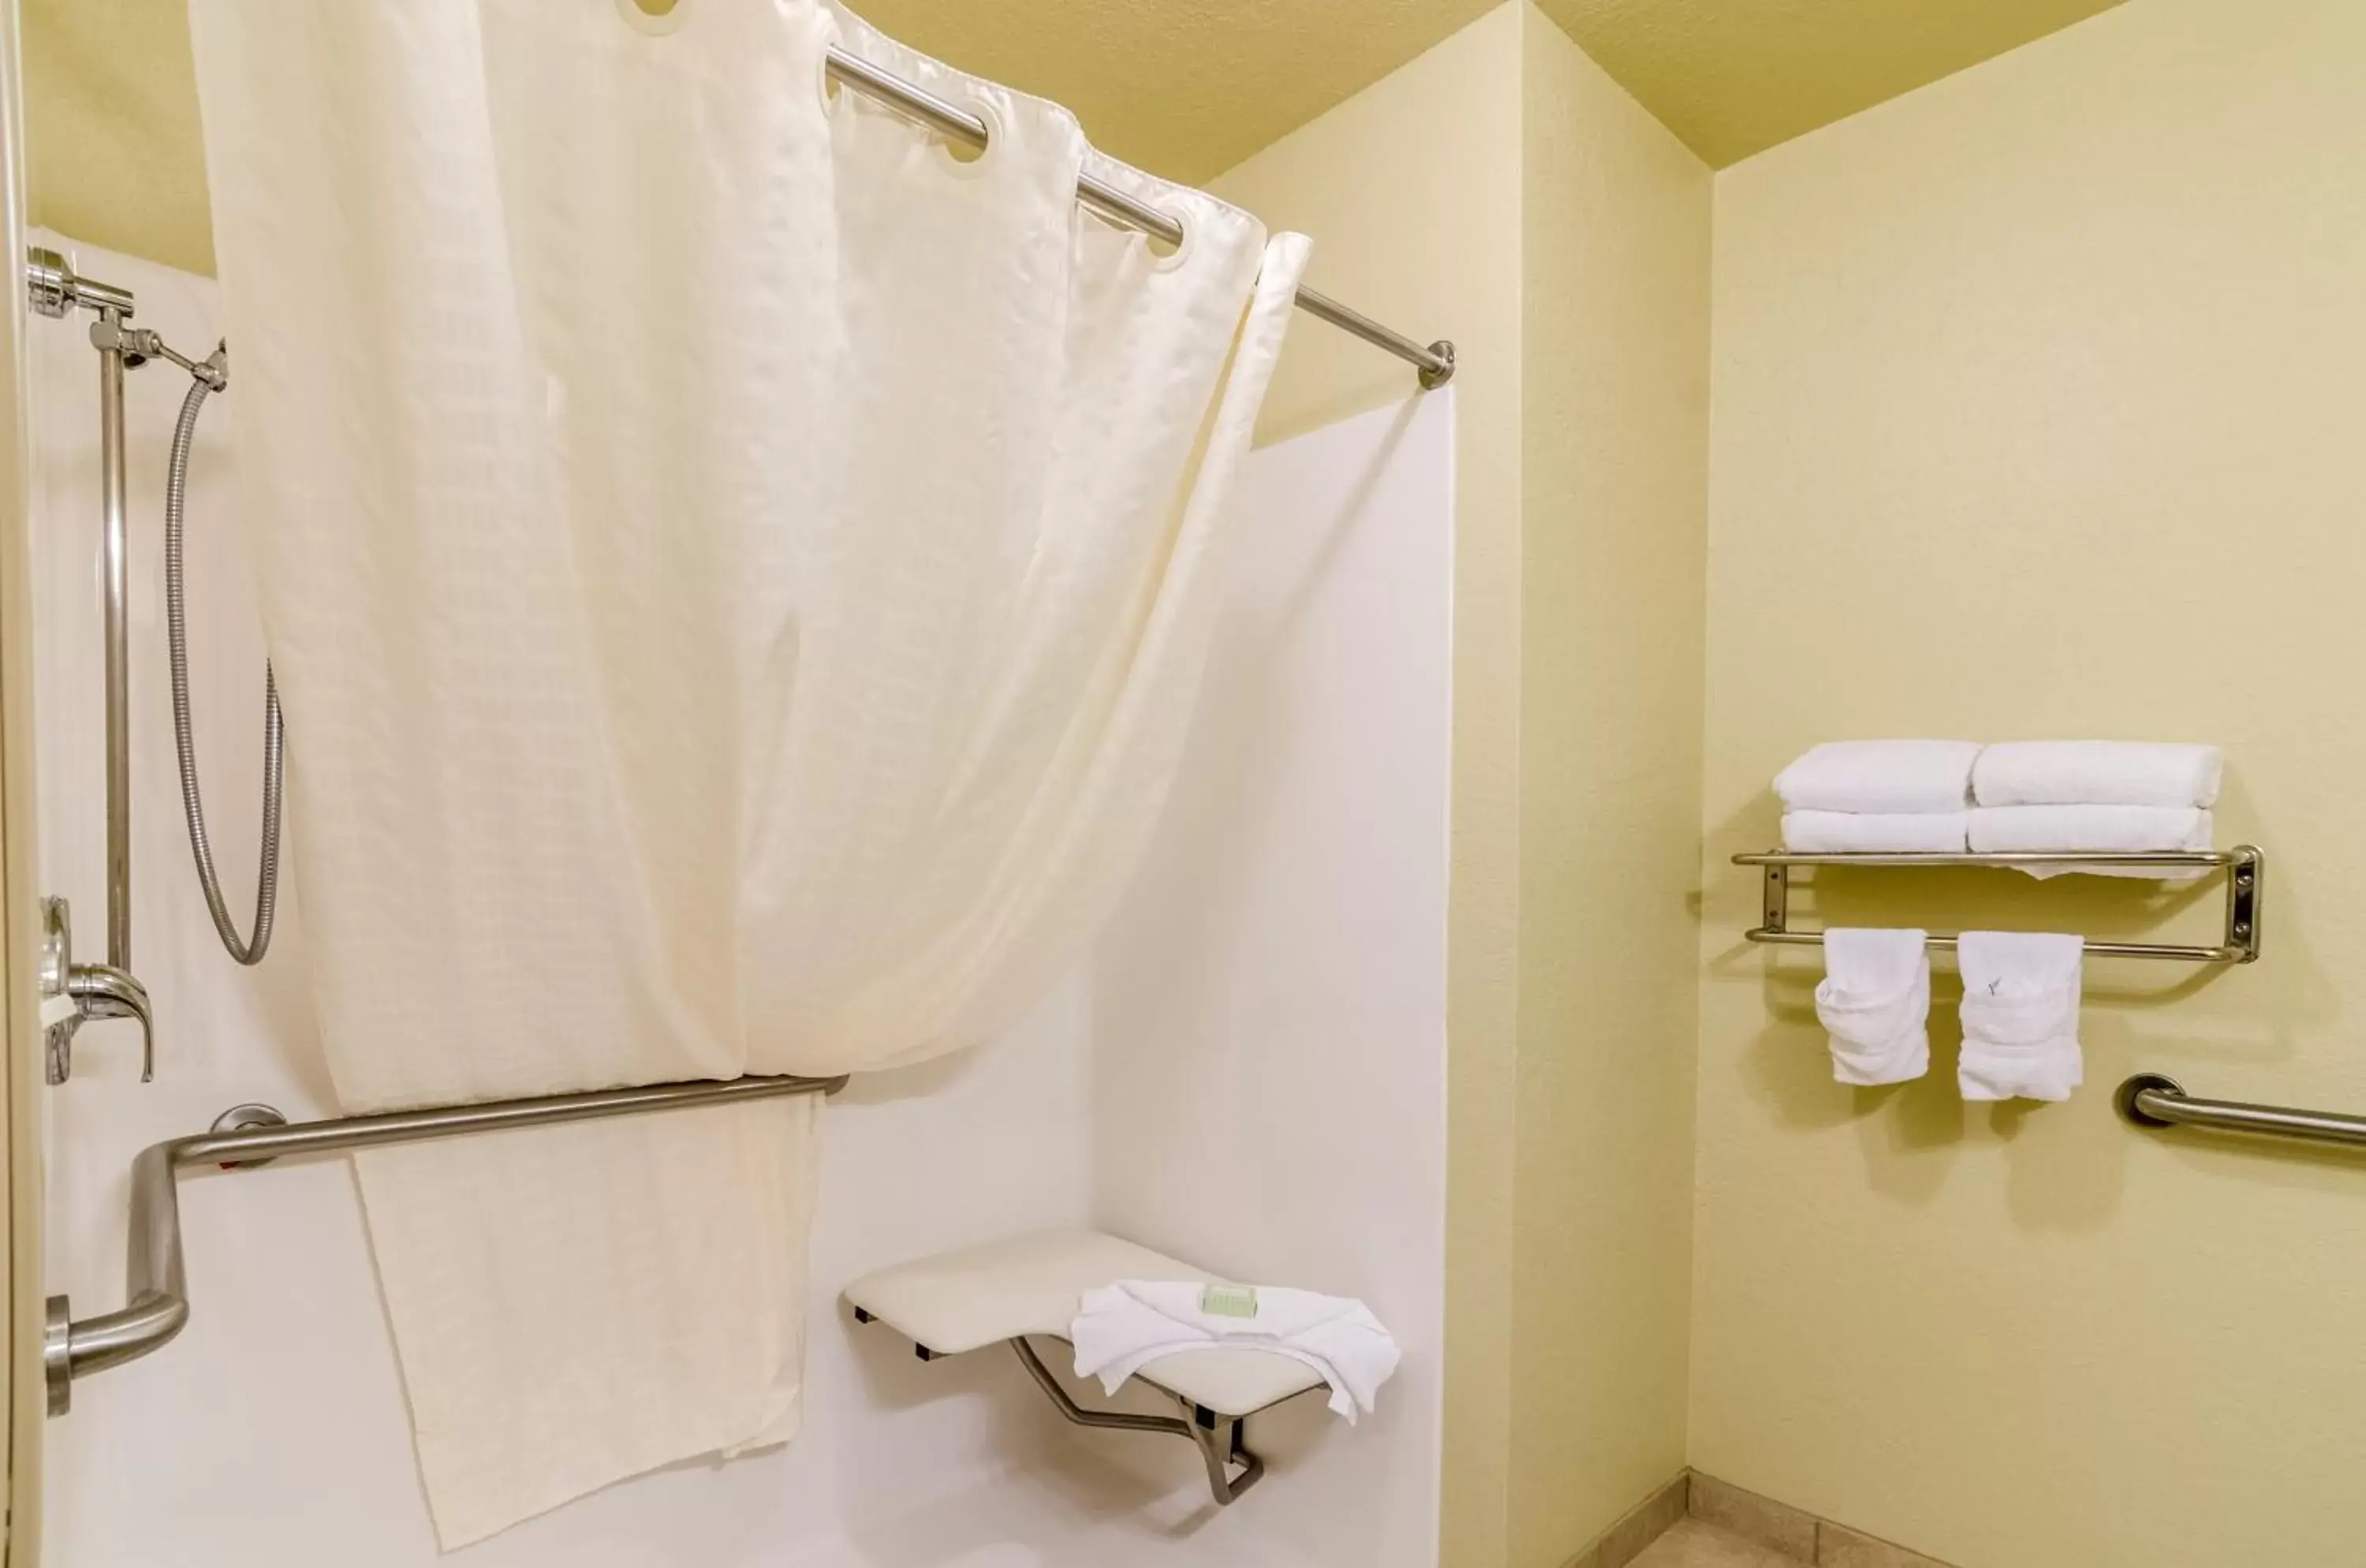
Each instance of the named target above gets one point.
<point>1435,361</point>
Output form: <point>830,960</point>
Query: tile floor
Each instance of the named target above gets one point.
<point>1693,1544</point>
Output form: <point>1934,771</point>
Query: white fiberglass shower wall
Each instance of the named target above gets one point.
<point>1248,1072</point>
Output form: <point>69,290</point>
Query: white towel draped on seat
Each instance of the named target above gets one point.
<point>2021,1015</point>
<point>1123,1328</point>
<point>1875,1001</point>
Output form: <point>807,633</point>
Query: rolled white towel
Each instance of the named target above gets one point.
<point>1123,1327</point>
<point>1875,1001</point>
<point>2110,829</point>
<point>2021,1015</point>
<point>2097,772</point>
<point>1880,777</point>
<point>1875,832</point>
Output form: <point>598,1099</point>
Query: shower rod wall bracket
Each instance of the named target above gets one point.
<point>2245,867</point>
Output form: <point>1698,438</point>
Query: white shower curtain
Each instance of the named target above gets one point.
<point>738,575</point>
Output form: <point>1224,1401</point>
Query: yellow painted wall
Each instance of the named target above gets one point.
<point>1615,300</point>
<point>1502,190</point>
<point>1410,190</point>
<point>2040,409</point>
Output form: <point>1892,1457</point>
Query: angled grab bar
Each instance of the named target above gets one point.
<point>156,1286</point>
<point>2149,1100</point>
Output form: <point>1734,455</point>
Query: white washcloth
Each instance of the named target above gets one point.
<point>1880,775</point>
<point>2006,829</point>
<point>1876,1001</point>
<point>2021,1015</point>
<point>2097,772</point>
<point>1121,1327</point>
<point>1875,832</point>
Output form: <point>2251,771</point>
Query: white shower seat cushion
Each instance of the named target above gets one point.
<point>964,1301</point>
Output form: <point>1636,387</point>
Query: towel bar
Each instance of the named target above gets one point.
<point>2150,1100</point>
<point>2246,867</point>
<point>156,1290</point>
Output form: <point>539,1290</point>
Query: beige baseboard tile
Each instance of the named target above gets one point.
<point>1837,1546</point>
<point>1795,1532</point>
<point>1777,1525</point>
<point>1641,1525</point>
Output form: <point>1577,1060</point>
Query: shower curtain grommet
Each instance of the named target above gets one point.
<point>955,153</point>
<point>1168,260</point>
<point>827,92</point>
<point>655,24</point>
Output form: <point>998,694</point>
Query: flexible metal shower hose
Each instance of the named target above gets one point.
<point>266,883</point>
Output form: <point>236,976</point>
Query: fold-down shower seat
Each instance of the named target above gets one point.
<point>1006,1291</point>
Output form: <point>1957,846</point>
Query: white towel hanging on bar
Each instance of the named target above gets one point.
<point>738,577</point>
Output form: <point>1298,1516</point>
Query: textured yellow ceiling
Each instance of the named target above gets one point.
<point>1185,87</point>
<point>1734,77</point>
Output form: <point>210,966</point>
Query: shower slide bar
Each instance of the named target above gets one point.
<point>108,990</point>
<point>1435,361</point>
<point>248,1136</point>
<point>53,289</point>
<point>2151,1100</point>
<point>2246,867</point>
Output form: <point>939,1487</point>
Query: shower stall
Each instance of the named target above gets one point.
<point>1244,1066</point>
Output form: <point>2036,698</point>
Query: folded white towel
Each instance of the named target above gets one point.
<point>2097,772</point>
<point>1875,832</point>
<point>1880,775</point>
<point>1121,1328</point>
<point>2006,829</point>
<point>2021,1015</point>
<point>1876,1002</point>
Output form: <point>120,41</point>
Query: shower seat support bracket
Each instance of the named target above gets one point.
<point>1220,1439</point>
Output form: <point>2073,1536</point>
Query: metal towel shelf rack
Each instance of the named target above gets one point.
<point>2246,867</point>
<point>2148,1099</point>
<point>157,1289</point>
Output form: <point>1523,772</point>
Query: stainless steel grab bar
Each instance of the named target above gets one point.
<point>2149,1100</point>
<point>157,1288</point>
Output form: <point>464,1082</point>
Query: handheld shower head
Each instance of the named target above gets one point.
<point>53,289</point>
